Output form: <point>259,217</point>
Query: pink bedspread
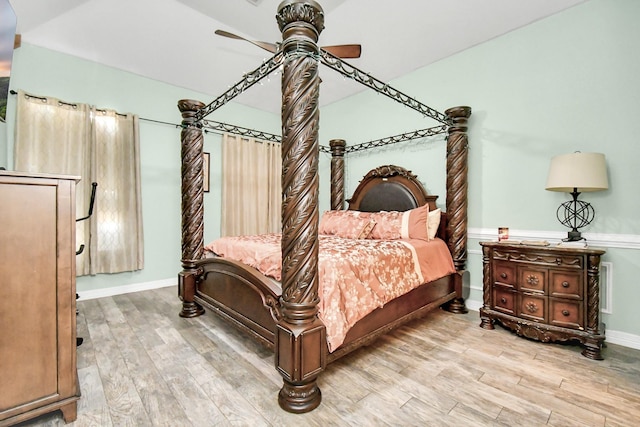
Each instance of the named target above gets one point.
<point>355,276</point>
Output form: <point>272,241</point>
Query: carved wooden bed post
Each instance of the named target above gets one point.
<point>192,140</point>
<point>337,173</point>
<point>457,184</point>
<point>300,335</point>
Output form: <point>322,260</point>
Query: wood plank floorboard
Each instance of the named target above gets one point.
<point>143,365</point>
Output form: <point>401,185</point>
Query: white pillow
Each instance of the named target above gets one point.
<point>433,222</point>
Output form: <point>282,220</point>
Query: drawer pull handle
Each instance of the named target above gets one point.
<point>565,312</point>
<point>503,275</point>
<point>565,284</point>
<point>503,300</point>
<point>532,307</point>
<point>532,280</point>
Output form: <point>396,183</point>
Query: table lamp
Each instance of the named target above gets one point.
<point>576,173</point>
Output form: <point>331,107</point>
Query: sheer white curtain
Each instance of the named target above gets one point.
<point>119,246</point>
<point>251,186</point>
<point>100,146</point>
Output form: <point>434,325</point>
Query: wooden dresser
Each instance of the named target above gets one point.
<point>544,293</point>
<point>38,371</point>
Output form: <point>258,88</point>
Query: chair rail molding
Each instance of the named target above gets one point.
<point>603,240</point>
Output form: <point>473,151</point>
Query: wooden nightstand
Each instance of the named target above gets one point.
<point>544,293</point>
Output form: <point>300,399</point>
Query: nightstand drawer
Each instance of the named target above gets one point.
<point>565,313</point>
<point>532,280</point>
<point>566,284</point>
<point>504,272</point>
<point>532,307</point>
<point>504,299</point>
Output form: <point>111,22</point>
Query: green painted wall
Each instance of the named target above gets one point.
<point>565,83</point>
<point>44,72</point>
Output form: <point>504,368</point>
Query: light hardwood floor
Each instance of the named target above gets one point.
<point>141,364</point>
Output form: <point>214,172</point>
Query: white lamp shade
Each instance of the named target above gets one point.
<point>584,171</point>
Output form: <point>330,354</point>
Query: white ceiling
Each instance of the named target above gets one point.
<point>172,40</point>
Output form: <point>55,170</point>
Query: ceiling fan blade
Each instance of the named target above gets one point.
<point>344,50</point>
<point>271,47</point>
<point>341,51</point>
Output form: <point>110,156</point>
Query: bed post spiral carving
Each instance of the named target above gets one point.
<point>457,183</point>
<point>192,140</point>
<point>300,334</point>
<point>337,173</point>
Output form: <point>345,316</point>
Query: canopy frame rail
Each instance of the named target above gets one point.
<point>381,87</point>
<point>249,79</point>
<point>211,125</point>
<point>239,130</point>
<point>336,64</point>
<point>407,136</point>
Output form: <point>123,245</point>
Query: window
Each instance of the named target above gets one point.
<point>251,187</point>
<point>100,146</point>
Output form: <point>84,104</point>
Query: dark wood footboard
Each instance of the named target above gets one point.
<point>240,295</point>
<point>251,302</point>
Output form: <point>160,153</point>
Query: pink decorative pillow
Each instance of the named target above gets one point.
<point>416,223</point>
<point>388,225</point>
<point>347,223</point>
<point>394,225</point>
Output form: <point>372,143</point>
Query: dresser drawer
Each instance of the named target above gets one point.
<point>532,307</point>
<point>566,284</point>
<point>504,298</point>
<point>504,272</point>
<point>531,279</point>
<point>566,313</point>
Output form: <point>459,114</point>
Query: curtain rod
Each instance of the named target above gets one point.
<point>44,98</point>
<point>219,127</point>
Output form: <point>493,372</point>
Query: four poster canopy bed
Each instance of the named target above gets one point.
<point>390,215</point>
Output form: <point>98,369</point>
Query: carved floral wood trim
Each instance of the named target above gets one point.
<point>563,260</point>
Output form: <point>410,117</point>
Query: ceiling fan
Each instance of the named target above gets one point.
<point>341,51</point>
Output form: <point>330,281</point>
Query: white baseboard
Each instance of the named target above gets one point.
<point>624,339</point>
<point>473,305</point>
<point>126,289</point>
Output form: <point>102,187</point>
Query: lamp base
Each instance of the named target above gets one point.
<point>573,236</point>
<point>575,214</point>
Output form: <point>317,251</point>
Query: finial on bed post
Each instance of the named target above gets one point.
<point>337,173</point>
<point>192,140</point>
<point>300,335</point>
<point>457,184</point>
